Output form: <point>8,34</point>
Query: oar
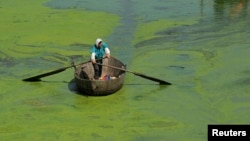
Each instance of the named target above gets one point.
<point>162,82</point>
<point>37,78</point>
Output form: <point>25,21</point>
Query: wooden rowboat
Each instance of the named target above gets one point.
<point>87,85</point>
<point>84,77</point>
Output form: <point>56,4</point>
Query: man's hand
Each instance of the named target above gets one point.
<point>93,61</point>
<point>107,55</point>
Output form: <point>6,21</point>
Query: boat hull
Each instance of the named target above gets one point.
<point>87,85</point>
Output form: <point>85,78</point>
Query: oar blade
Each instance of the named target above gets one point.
<point>32,79</point>
<point>37,78</point>
<point>165,83</point>
<point>161,82</point>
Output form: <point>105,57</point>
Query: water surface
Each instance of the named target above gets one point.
<point>202,47</point>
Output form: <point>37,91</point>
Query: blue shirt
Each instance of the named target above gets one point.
<point>99,52</point>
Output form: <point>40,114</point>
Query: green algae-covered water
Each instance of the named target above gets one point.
<point>201,47</point>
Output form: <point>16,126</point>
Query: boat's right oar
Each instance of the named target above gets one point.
<point>162,82</point>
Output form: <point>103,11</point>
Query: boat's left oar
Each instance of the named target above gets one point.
<point>162,82</point>
<point>38,77</point>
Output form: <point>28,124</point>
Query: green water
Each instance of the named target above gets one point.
<point>202,47</point>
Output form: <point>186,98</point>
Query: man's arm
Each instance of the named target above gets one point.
<point>107,52</point>
<point>93,57</point>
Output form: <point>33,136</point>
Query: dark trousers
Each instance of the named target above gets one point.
<point>97,69</point>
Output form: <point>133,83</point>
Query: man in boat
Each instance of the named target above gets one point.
<point>99,50</point>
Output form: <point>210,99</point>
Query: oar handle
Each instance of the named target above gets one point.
<point>73,65</point>
<point>114,67</point>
